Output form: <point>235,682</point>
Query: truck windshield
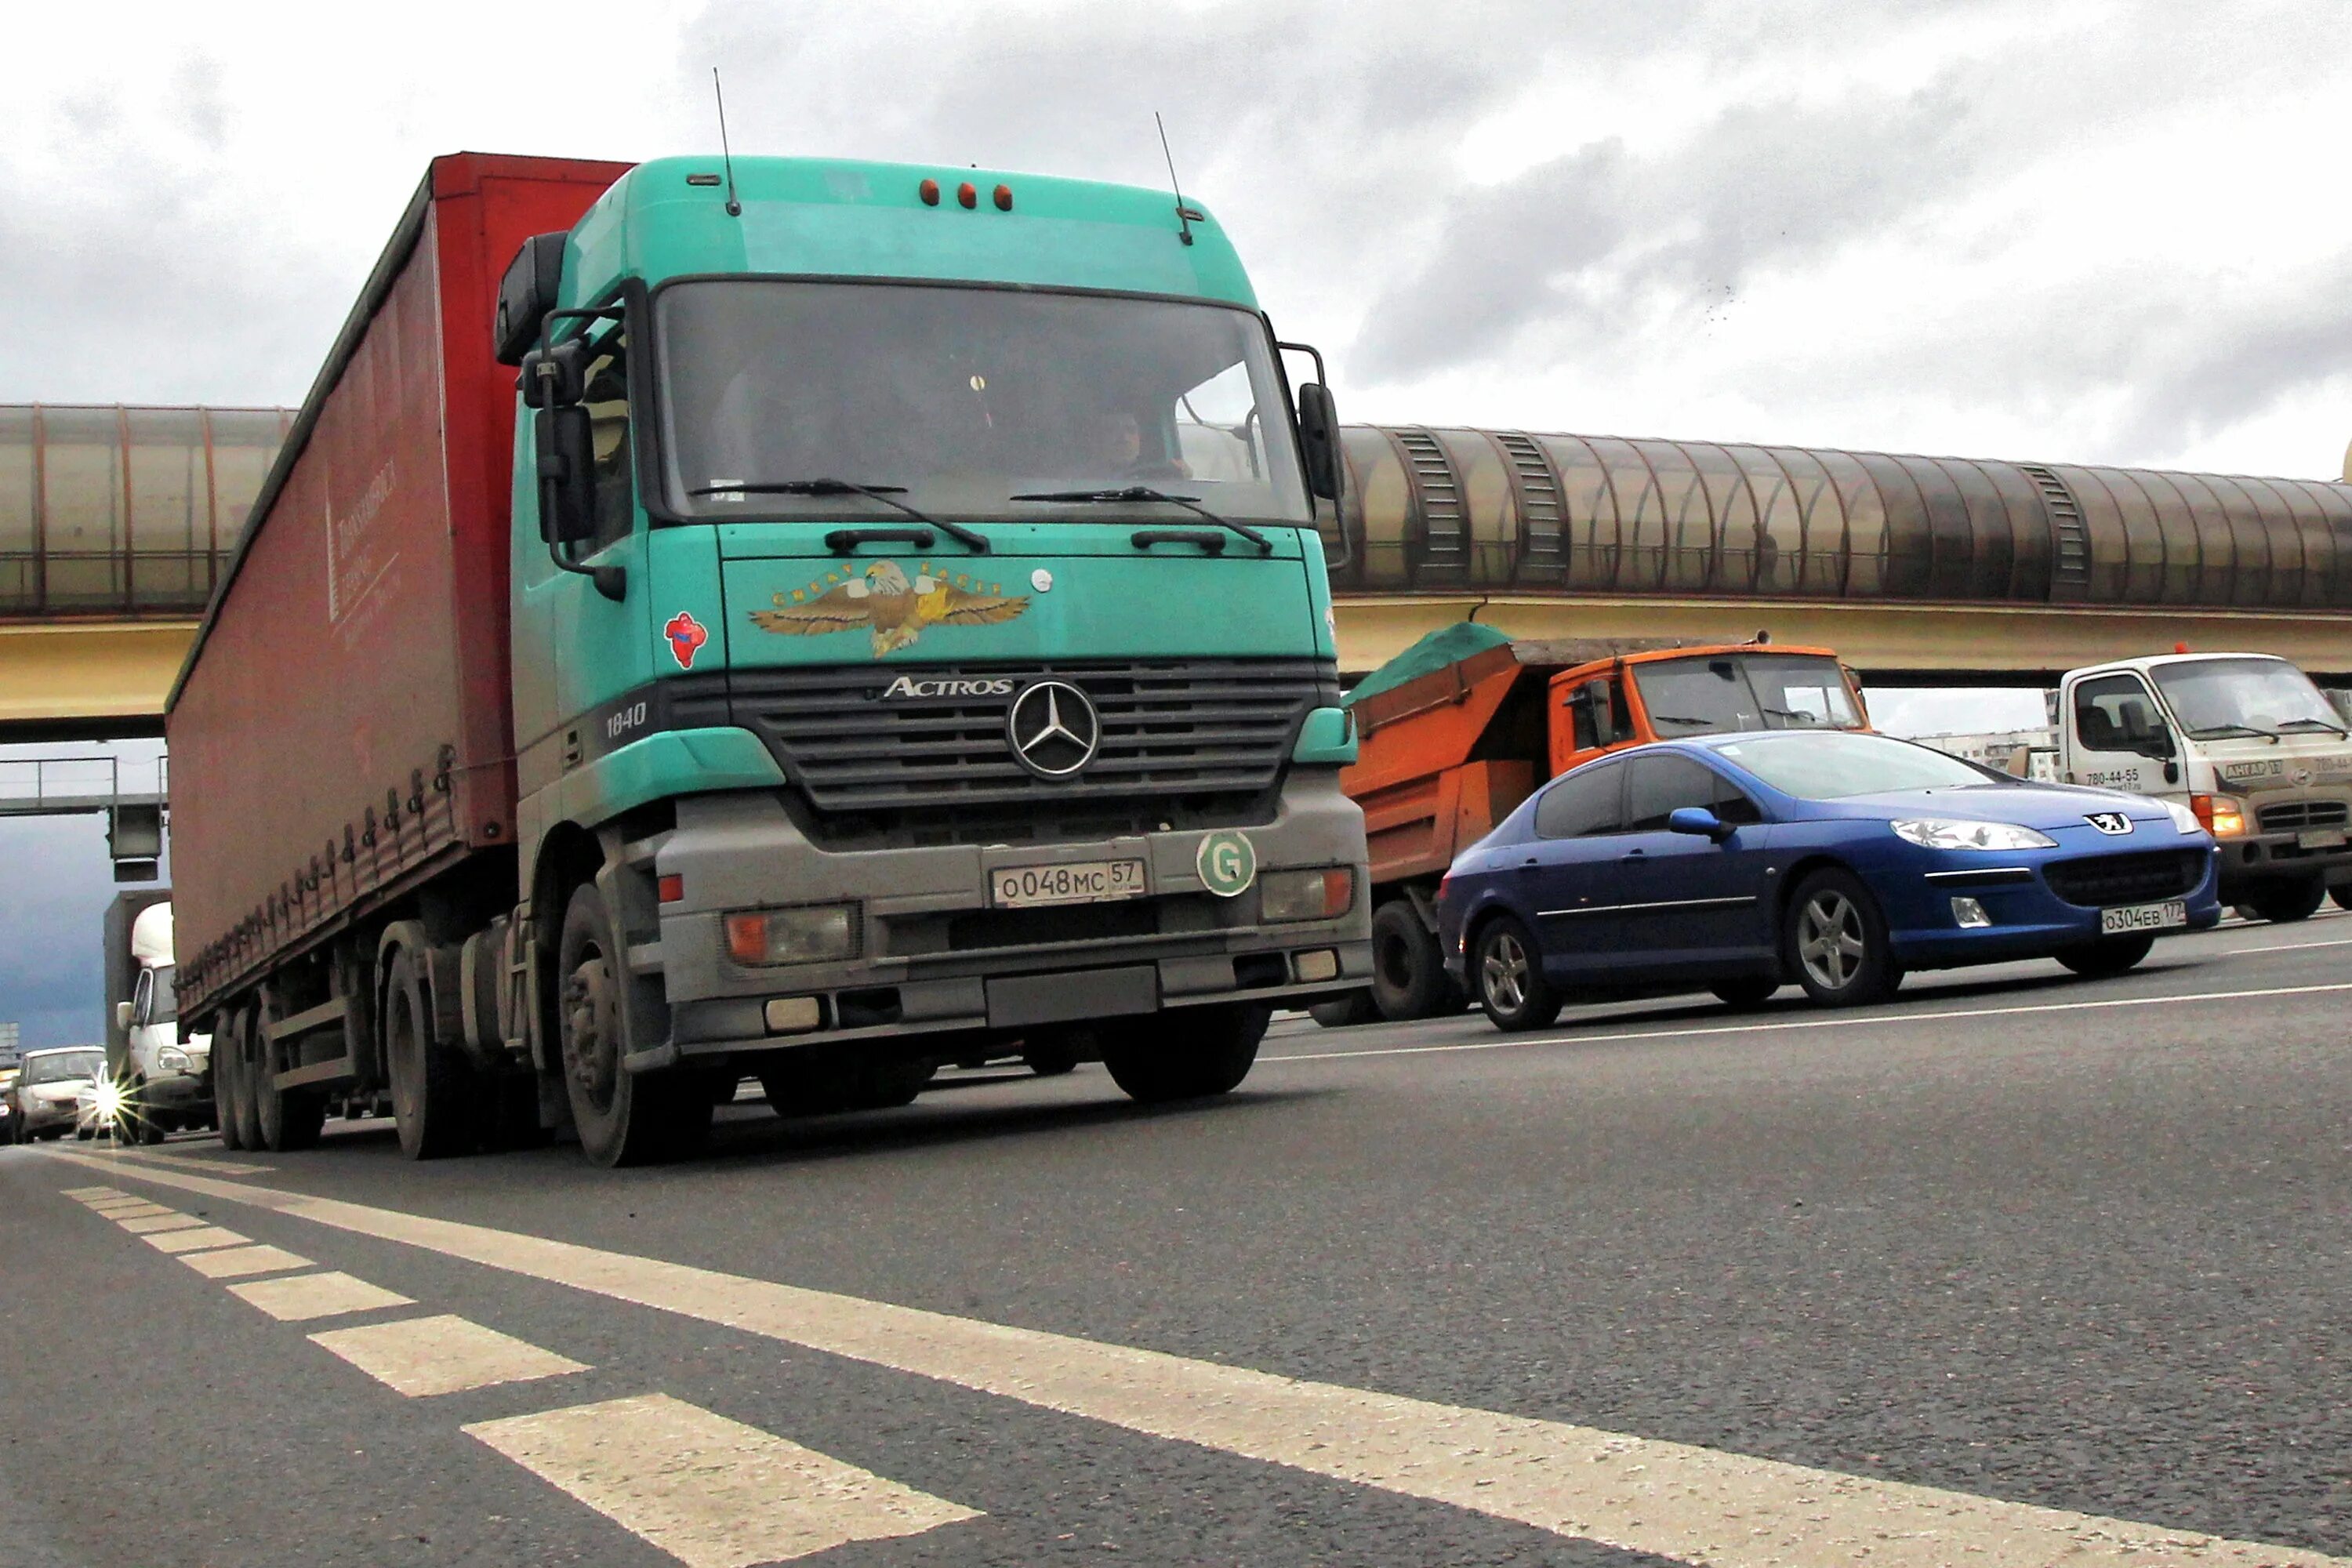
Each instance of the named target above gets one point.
<point>2217,697</point>
<point>1727,693</point>
<point>63,1066</point>
<point>961,398</point>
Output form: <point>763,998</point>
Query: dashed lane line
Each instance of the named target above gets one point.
<point>445,1354</point>
<point>239,1262</point>
<point>197,1240</point>
<point>297,1298</point>
<point>711,1492</point>
<point>1637,1494</point>
<point>150,1224</point>
<point>1840,1021</point>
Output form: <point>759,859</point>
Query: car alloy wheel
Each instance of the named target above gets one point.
<point>1512,990</point>
<point>1502,972</point>
<point>1831,941</point>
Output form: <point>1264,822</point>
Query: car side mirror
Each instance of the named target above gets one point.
<point>122,1014</point>
<point>1700,822</point>
<point>1596,697</point>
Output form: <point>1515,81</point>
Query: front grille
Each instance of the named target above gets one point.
<point>2099,881</point>
<point>2288,815</point>
<point>1171,729</point>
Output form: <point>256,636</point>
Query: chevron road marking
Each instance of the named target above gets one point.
<point>1671,1499</point>
<point>424,1356</point>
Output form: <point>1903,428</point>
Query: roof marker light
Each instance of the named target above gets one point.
<point>967,194</point>
<point>929,191</point>
<point>2180,647</point>
<point>1004,198</point>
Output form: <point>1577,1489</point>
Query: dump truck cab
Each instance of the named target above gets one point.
<point>1460,728</point>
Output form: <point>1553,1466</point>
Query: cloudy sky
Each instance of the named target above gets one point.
<point>2090,231</point>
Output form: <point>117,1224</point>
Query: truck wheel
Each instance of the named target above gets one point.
<point>1409,979</point>
<point>1185,1054</point>
<point>2341,895</point>
<point>2109,955</point>
<point>1050,1053</point>
<point>1508,969</point>
<point>2286,902</point>
<point>152,1130</point>
<point>288,1119</point>
<point>1356,1008</point>
<point>225,1032</point>
<point>248,1059</point>
<point>434,1096</point>
<point>623,1118</point>
<point>1834,941</point>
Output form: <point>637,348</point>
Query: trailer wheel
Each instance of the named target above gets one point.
<point>623,1118</point>
<point>248,1059</point>
<point>433,1101</point>
<point>1188,1054</point>
<point>2341,895</point>
<point>1409,978</point>
<point>287,1119</point>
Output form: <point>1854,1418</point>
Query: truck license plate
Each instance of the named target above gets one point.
<point>1072,882</point>
<point>2142,917</point>
<point>2321,839</point>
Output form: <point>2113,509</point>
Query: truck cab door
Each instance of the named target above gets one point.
<point>2111,725</point>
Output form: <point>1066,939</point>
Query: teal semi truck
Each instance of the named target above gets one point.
<point>805,619</point>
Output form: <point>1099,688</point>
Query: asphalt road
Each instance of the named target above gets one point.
<point>2016,1237</point>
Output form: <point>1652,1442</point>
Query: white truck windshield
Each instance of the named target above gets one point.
<point>956,400</point>
<point>2219,697</point>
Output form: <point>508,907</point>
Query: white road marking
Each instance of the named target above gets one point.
<point>195,1240</point>
<point>236,1262</point>
<point>129,1208</point>
<point>93,1194</point>
<point>213,1167</point>
<point>711,1492</point>
<point>2286,947</point>
<point>298,1298</point>
<point>151,1224</point>
<point>1838,1021</point>
<point>421,1356</point>
<point>1673,1499</point>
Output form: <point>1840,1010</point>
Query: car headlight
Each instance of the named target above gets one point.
<point>172,1058</point>
<point>805,935</point>
<point>1319,895</point>
<point>1951,833</point>
<point>2182,817</point>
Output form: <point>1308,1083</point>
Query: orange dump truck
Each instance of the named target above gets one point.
<point>1461,727</point>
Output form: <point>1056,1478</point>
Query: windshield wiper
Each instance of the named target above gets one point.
<point>976,541</point>
<point>2333,729</point>
<point>1145,492</point>
<point>2214,731</point>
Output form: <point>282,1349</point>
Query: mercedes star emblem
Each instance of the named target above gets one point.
<point>1053,728</point>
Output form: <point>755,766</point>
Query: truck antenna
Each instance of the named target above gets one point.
<point>734,207</point>
<point>1185,216</point>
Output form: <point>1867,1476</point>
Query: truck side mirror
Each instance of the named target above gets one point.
<point>567,475</point>
<point>1597,698</point>
<point>1319,434</point>
<point>122,1014</point>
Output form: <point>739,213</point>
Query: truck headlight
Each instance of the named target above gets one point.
<point>1951,833</point>
<point>2183,818</point>
<point>1318,895</point>
<point>172,1058</point>
<point>809,934</point>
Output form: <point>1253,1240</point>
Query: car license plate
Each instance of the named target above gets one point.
<point>2321,839</point>
<point>2142,917</point>
<point>1071,882</point>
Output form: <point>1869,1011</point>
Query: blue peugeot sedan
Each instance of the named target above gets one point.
<point>1737,863</point>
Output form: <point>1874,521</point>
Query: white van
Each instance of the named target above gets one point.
<point>2246,741</point>
<point>166,1081</point>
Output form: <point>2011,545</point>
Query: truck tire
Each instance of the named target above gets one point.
<point>2341,895</point>
<point>623,1118</point>
<point>226,1029</point>
<point>1834,941</point>
<point>2109,955</point>
<point>2283,903</point>
<point>1409,978</point>
<point>150,1127</point>
<point>1508,969</point>
<point>435,1102</point>
<point>1356,1008</point>
<point>248,1043</point>
<point>1190,1054</point>
<point>285,1119</point>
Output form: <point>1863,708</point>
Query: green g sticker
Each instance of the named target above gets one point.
<point>1228,864</point>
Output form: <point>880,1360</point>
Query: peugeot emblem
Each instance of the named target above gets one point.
<point>2112,823</point>
<point>1053,729</point>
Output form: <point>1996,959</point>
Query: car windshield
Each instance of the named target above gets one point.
<point>1729,692</point>
<point>61,1067</point>
<point>2219,696</point>
<point>1832,767</point>
<point>957,399</point>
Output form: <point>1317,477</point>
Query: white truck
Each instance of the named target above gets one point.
<point>165,1081</point>
<point>2244,740</point>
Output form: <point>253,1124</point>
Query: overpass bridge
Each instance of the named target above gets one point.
<point>116,522</point>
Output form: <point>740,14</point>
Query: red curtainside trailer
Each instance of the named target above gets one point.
<point>341,733</point>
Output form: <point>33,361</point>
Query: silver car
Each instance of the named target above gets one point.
<point>45,1091</point>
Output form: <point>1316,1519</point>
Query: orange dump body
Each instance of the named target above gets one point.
<point>1449,755</point>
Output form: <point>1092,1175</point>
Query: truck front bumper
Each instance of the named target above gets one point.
<point>935,957</point>
<point>2265,859</point>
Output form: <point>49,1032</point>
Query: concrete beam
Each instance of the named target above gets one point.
<point>1892,642</point>
<point>87,680</point>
